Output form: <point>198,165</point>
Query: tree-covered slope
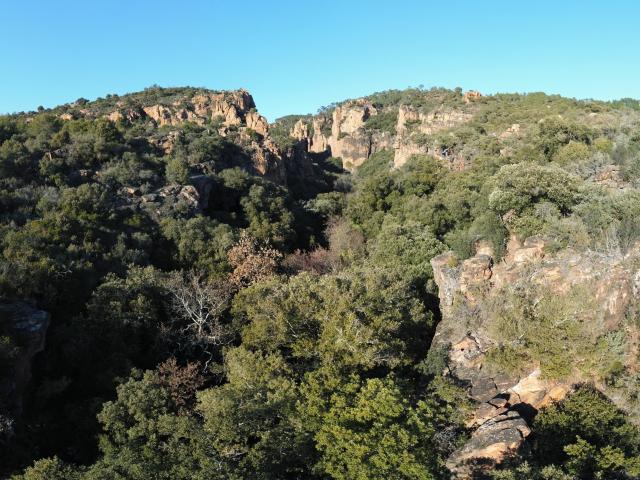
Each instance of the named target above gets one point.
<point>222,300</point>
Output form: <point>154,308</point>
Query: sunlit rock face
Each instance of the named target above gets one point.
<point>345,135</point>
<point>597,291</point>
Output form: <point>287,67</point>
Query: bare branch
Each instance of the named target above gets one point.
<point>198,305</point>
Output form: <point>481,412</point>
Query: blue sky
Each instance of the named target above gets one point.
<point>295,56</point>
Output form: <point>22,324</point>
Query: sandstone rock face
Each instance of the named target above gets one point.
<point>319,142</point>
<point>354,145</point>
<point>348,139</point>
<point>296,160</point>
<point>235,110</point>
<point>130,114</point>
<point>161,115</point>
<point>28,326</point>
<point>300,130</point>
<point>257,123</point>
<point>404,149</point>
<point>350,118</point>
<point>429,123</point>
<point>232,108</point>
<point>353,149</point>
<point>472,95</point>
<point>267,160</point>
<point>346,135</point>
<point>470,293</point>
<point>497,438</point>
<point>412,121</point>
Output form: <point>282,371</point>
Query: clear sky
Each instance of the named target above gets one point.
<point>295,56</point>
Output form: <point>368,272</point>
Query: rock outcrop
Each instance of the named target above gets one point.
<point>300,130</point>
<point>233,108</point>
<point>411,122</point>
<point>319,142</point>
<point>410,119</point>
<point>471,96</point>
<point>348,139</point>
<point>471,298</point>
<point>345,134</point>
<point>268,161</point>
<point>233,112</point>
<point>257,123</point>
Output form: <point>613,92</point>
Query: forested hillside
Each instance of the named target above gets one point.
<point>417,284</point>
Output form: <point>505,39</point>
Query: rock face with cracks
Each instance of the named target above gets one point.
<point>346,134</point>
<point>228,111</point>
<point>471,298</point>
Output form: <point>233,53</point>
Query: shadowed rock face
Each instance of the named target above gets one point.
<point>470,299</point>
<point>27,326</point>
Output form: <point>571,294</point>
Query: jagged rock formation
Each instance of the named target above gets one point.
<point>230,112</point>
<point>349,140</point>
<point>471,95</point>
<point>473,295</point>
<point>412,121</point>
<point>346,134</point>
<point>319,142</point>
<point>27,327</point>
<point>231,108</point>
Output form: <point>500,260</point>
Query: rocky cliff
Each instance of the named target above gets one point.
<point>353,130</point>
<point>519,333</point>
<point>232,113</point>
<point>413,123</point>
<point>231,108</point>
<point>357,129</point>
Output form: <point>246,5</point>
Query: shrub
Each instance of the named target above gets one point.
<point>553,133</point>
<point>384,121</point>
<point>573,152</point>
<point>538,326</point>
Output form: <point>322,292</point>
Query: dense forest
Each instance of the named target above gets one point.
<point>211,296</point>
